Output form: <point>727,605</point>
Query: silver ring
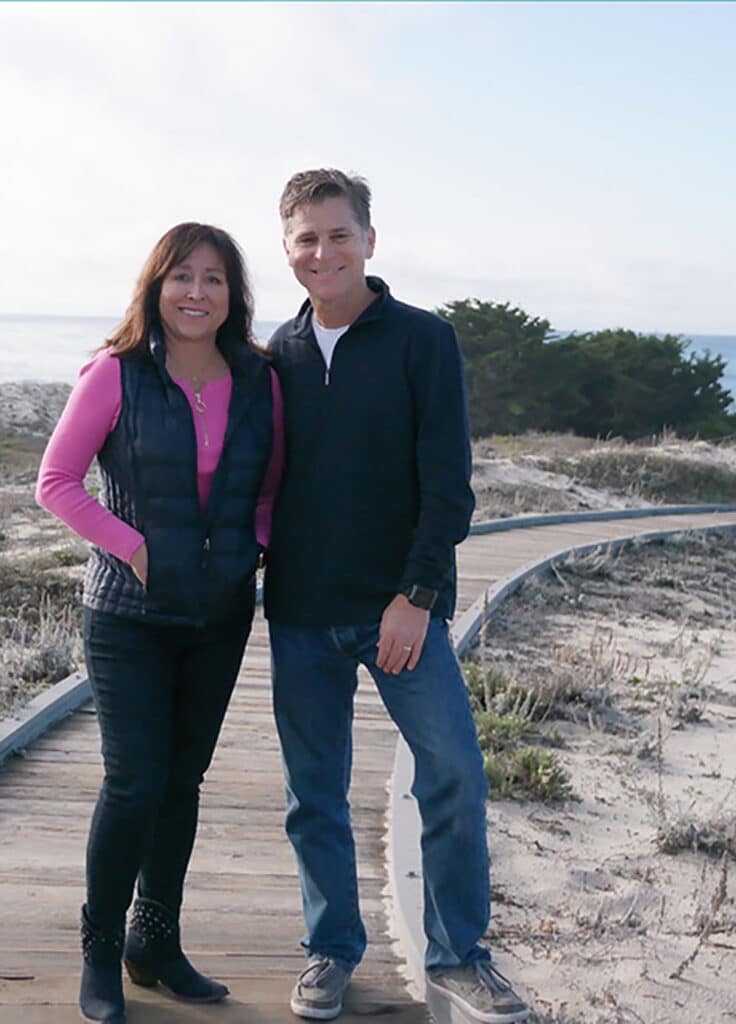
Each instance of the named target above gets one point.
<point>406,648</point>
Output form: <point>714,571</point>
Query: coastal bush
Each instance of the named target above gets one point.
<point>484,683</point>
<point>499,732</point>
<point>521,376</point>
<point>635,385</point>
<point>504,352</point>
<point>40,626</point>
<point>507,716</point>
<point>37,654</point>
<point>26,588</point>
<point>493,691</point>
<point>528,774</point>
<point>535,473</point>
<point>698,827</point>
<point>712,837</point>
<point>648,474</point>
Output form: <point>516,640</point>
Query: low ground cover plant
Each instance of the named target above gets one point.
<point>512,738</point>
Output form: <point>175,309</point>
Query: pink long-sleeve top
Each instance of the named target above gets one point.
<point>92,412</point>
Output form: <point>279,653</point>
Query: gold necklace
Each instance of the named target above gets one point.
<point>201,408</point>
<point>197,382</point>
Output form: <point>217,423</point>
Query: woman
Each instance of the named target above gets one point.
<point>184,416</point>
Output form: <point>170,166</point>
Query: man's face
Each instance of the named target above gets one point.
<point>327,249</point>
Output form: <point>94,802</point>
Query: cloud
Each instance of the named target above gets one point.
<point>542,150</point>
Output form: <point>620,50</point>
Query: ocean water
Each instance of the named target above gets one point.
<point>719,345</point>
<point>52,348</point>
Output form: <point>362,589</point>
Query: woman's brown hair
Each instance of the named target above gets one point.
<point>142,315</point>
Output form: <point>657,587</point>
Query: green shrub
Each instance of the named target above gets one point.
<point>499,732</point>
<point>528,773</point>
<point>505,716</point>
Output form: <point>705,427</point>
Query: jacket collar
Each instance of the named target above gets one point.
<point>377,308</point>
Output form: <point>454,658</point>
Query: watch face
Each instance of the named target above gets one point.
<point>421,597</point>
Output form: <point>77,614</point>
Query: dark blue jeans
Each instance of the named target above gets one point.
<point>315,676</point>
<point>161,693</point>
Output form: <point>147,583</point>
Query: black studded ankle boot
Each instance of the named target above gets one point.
<point>153,953</point>
<point>101,988</point>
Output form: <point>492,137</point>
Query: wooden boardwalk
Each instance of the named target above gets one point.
<point>242,918</point>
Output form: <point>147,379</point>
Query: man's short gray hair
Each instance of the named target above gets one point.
<point>307,187</point>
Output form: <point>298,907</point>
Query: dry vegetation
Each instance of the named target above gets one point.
<point>537,473</point>
<point>618,671</point>
<point>512,475</point>
<point>605,698</point>
<point>40,573</point>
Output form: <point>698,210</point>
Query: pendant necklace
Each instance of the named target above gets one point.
<point>197,383</point>
<point>201,408</point>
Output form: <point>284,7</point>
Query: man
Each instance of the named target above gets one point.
<point>362,571</point>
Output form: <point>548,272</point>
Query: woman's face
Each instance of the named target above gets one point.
<point>195,297</point>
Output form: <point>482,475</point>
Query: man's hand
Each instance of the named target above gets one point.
<point>401,636</point>
<point>139,563</point>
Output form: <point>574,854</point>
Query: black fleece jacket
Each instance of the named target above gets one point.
<point>377,487</point>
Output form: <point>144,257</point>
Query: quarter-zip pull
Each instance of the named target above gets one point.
<point>327,376</point>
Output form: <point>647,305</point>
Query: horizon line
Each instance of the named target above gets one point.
<point>269,320</point>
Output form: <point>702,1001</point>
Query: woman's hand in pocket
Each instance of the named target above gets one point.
<point>139,563</point>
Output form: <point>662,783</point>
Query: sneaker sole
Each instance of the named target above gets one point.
<point>314,1012</point>
<point>448,1006</point>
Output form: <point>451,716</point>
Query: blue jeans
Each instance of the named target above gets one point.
<point>161,693</point>
<point>314,682</point>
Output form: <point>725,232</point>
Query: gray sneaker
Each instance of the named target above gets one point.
<point>318,992</point>
<point>478,991</point>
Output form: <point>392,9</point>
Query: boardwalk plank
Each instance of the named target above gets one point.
<point>242,916</point>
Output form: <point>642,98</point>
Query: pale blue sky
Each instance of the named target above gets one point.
<point>576,159</point>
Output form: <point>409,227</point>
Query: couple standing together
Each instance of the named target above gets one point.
<point>359,510</point>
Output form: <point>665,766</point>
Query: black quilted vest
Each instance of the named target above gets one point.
<point>201,563</point>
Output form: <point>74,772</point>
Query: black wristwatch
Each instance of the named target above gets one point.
<point>420,597</point>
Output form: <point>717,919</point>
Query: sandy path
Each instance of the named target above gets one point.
<point>601,925</point>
